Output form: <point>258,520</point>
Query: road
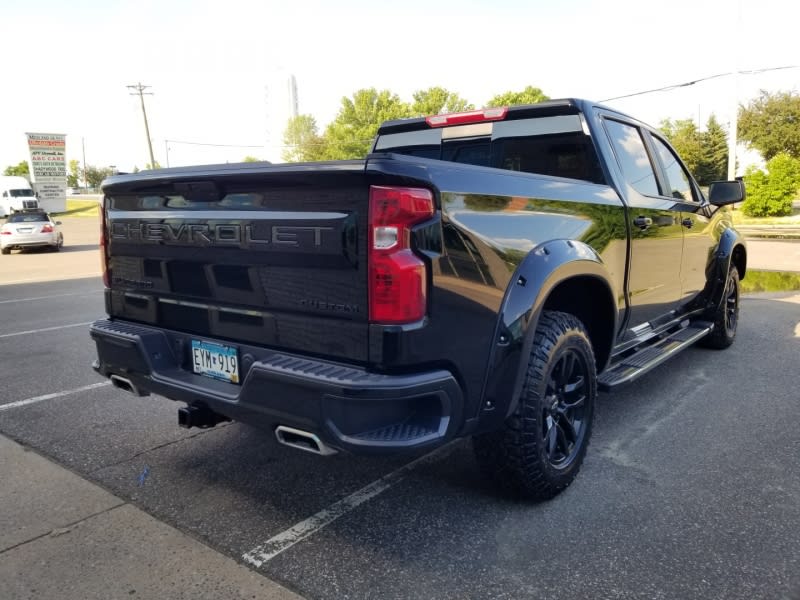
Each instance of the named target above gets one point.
<point>689,490</point>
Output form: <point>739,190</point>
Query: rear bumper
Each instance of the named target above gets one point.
<point>348,407</point>
<point>28,241</point>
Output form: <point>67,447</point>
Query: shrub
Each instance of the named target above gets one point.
<point>771,194</point>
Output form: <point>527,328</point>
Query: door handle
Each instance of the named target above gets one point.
<point>643,222</point>
<point>687,223</point>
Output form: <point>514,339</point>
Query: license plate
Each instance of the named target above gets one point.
<point>215,360</point>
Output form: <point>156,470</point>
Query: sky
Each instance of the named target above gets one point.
<point>66,65</point>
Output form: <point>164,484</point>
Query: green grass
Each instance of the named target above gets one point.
<point>739,218</point>
<point>770,281</point>
<point>80,208</point>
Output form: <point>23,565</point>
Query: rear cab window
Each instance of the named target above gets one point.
<point>631,153</point>
<point>555,145</point>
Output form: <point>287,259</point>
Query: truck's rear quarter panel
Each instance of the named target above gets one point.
<point>491,220</point>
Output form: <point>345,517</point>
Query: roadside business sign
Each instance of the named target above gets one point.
<point>49,169</point>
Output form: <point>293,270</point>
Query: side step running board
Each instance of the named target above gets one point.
<point>640,362</point>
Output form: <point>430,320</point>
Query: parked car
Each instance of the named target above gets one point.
<point>30,229</point>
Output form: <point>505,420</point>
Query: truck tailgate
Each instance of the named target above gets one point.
<point>275,256</point>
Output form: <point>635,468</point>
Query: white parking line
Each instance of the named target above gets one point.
<point>36,399</point>
<point>5,335</point>
<point>48,297</point>
<point>308,527</point>
<point>45,279</point>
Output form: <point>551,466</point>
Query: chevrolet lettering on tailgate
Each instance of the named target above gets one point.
<point>233,234</point>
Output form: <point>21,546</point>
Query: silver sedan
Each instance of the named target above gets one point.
<point>30,230</point>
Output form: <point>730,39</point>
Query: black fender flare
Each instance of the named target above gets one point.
<point>540,272</point>
<point>730,242</point>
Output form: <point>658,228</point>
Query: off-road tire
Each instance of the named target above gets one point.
<point>6,250</point>
<point>726,317</point>
<point>519,456</point>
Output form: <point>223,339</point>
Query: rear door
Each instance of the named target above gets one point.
<point>654,283</point>
<point>273,258</point>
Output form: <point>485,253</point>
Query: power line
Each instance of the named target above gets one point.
<point>139,90</point>
<point>667,88</point>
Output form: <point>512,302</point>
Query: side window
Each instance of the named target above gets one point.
<point>680,186</point>
<point>634,161</point>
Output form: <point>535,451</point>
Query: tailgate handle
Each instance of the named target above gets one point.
<point>198,191</point>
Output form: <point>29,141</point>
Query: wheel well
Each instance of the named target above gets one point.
<point>739,258</point>
<point>589,299</point>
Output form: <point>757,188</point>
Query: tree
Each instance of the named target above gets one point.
<point>437,100</point>
<point>148,166</point>
<point>302,140</point>
<point>352,131</point>
<point>705,153</point>
<point>713,164</point>
<point>771,124</point>
<point>771,194</point>
<point>74,173</point>
<point>530,95</point>
<point>686,139</point>
<point>249,158</point>
<point>20,170</point>
<point>95,175</point>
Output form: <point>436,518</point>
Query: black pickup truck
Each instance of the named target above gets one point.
<point>479,274</point>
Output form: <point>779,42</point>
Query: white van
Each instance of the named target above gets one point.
<point>16,194</point>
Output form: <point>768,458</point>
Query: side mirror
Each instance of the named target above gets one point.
<point>722,193</point>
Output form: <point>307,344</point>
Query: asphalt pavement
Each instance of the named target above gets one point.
<point>690,488</point>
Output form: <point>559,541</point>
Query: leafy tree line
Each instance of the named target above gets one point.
<point>19,170</point>
<point>92,175</point>
<point>771,193</point>
<point>771,124</point>
<point>351,132</point>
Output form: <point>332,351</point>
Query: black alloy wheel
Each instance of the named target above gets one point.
<point>726,315</point>
<point>540,447</point>
<point>564,409</point>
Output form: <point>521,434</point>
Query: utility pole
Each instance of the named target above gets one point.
<point>139,90</point>
<point>83,151</point>
<point>734,128</point>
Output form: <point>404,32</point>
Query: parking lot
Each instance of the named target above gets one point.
<point>690,488</point>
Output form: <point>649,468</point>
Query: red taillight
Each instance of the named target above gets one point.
<point>463,118</point>
<point>5,232</point>
<point>47,228</point>
<point>397,281</point>
<point>104,249</point>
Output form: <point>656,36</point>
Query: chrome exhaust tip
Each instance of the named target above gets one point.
<point>126,385</point>
<point>303,440</point>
